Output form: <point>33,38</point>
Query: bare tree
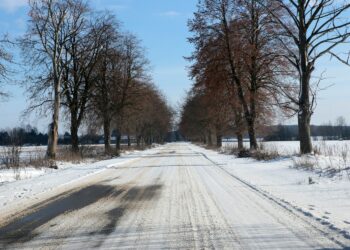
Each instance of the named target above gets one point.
<point>43,46</point>
<point>310,30</point>
<point>212,79</point>
<point>5,58</point>
<point>121,67</point>
<point>195,122</point>
<point>152,115</point>
<point>134,70</point>
<point>107,77</point>
<point>81,58</point>
<point>259,55</point>
<point>242,33</point>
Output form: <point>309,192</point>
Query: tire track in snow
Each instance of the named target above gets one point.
<point>338,236</point>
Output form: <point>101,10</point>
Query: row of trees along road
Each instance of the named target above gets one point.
<point>82,65</point>
<point>259,55</point>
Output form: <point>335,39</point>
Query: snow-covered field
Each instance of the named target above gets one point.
<point>32,153</point>
<point>330,158</point>
<point>326,200</point>
<point>35,152</point>
<point>26,183</point>
<point>11,175</point>
<point>292,147</point>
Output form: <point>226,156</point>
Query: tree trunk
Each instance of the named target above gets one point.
<point>240,141</point>
<point>139,140</point>
<point>74,133</point>
<point>210,141</point>
<point>252,136</point>
<point>117,143</point>
<point>304,116</point>
<point>107,135</point>
<point>251,116</point>
<point>219,141</point>
<point>204,139</point>
<point>129,141</point>
<point>149,140</point>
<point>74,138</point>
<point>239,128</point>
<point>305,133</point>
<point>254,74</point>
<point>305,107</point>
<point>50,142</point>
<point>53,133</point>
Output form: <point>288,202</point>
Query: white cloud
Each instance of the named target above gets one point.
<point>12,5</point>
<point>170,13</point>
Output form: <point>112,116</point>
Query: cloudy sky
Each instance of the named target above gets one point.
<point>162,27</point>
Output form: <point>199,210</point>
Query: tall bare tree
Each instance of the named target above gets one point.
<point>310,30</point>
<point>134,70</point>
<point>44,45</point>
<point>212,77</point>
<point>81,59</point>
<point>108,75</point>
<point>241,32</point>
<point>259,54</point>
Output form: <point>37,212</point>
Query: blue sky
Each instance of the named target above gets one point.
<point>162,27</point>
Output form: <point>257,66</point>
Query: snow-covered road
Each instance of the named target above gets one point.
<point>174,198</point>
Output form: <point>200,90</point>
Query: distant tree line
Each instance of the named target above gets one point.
<point>30,136</point>
<point>22,136</point>
<point>324,132</point>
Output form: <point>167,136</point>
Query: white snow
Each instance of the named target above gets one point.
<point>176,198</point>
<point>327,200</point>
<point>10,175</point>
<point>292,147</point>
<point>26,183</point>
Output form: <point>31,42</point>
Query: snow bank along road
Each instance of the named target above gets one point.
<point>174,198</point>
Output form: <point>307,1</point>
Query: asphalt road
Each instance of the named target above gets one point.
<point>176,198</point>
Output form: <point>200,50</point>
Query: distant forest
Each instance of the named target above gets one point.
<point>30,136</point>
<point>326,132</point>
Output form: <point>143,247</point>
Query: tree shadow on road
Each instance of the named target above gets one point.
<point>23,229</point>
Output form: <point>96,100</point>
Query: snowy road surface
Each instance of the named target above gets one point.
<point>176,198</point>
